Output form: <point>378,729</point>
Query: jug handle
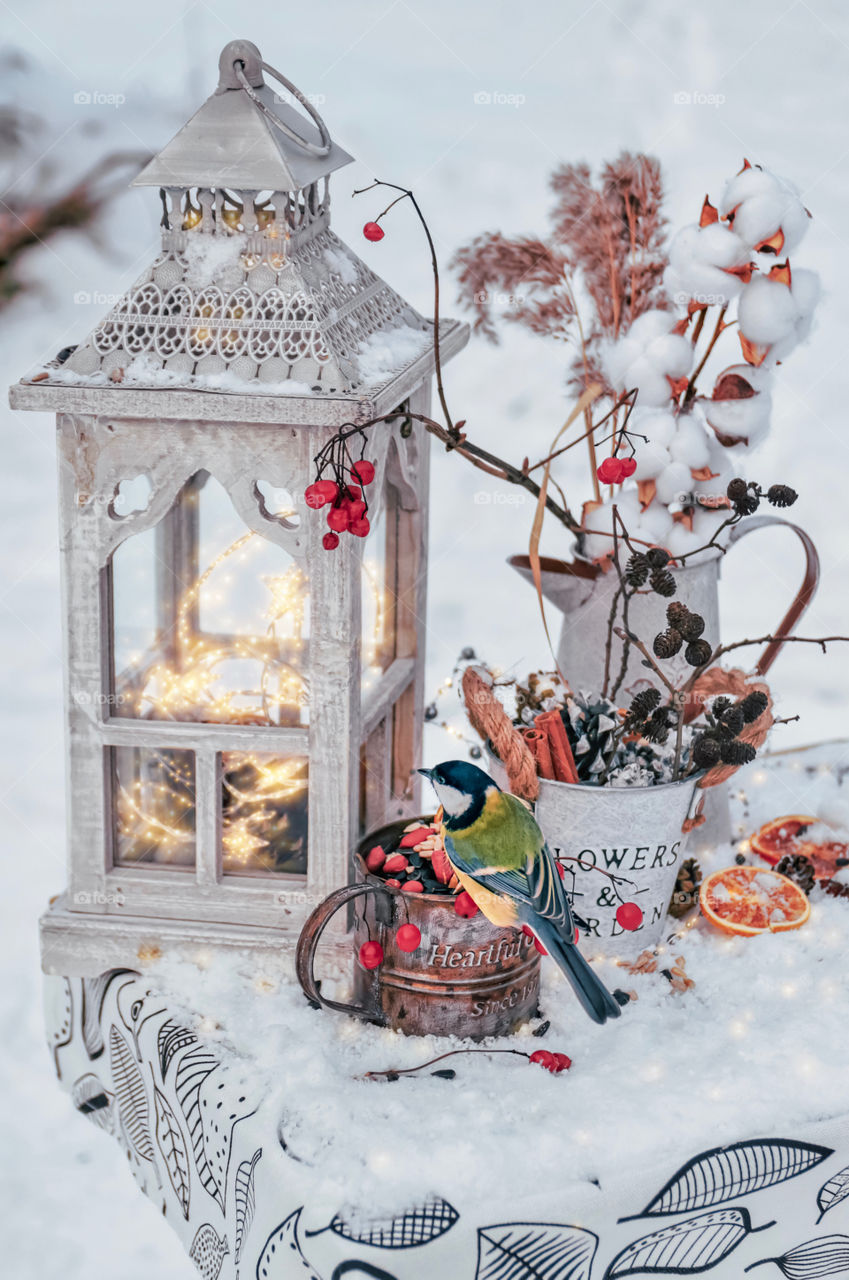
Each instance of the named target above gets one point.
<point>309,940</point>
<point>803,596</point>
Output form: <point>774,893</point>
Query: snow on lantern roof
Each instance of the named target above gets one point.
<point>252,293</point>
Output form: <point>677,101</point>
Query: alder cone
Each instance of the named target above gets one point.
<point>734,684</point>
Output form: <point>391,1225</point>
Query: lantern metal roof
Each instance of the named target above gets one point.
<point>252,296</point>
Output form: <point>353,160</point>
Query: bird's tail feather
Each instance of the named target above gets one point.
<point>588,987</point>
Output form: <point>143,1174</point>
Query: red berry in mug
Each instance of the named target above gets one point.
<point>371,955</point>
<point>408,937</point>
<point>375,858</point>
<point>465,905</point>
<point>629,916</point>
<point>395,862</point>
<point>414,886</point>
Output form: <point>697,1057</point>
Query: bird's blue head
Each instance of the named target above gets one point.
<point>462,789</point>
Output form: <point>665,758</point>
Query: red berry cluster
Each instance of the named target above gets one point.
<point>553,1062</point>
<point>615,470</point>
<point>347,502</point>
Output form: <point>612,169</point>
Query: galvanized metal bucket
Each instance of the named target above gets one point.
<point>633,833</point>
<point>467,978</point>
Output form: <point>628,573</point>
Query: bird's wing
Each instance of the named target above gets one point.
<point>529,875</point>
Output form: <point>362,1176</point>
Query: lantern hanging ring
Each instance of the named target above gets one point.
<point>314,148</point>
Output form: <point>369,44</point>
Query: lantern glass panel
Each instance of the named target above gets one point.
<point>153,807</point>
<point>210,620</point>
<point>377,597</point>
<point>263,814</point>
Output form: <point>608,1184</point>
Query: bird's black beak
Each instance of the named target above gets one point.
<point>426,773</point>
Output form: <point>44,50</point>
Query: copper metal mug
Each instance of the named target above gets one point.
<point>467,978</point>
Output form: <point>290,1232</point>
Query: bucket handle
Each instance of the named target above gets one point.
<point>803,596</point>
<point>308,944</point>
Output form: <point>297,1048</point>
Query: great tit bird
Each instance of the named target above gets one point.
<point>502,861</point>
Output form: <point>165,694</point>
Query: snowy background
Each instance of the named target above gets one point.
<point>400,85</point>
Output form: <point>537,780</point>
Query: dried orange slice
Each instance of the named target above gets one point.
<point>788,835</point>
<point>752,900</point>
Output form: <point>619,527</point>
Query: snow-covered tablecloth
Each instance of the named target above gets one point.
<point>705,1131</point>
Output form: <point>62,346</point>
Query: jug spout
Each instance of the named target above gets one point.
<point>565,583</point>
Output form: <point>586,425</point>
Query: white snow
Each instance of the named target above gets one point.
<point>342,264</point>
<point>387,350</point>
<point>208,256</point>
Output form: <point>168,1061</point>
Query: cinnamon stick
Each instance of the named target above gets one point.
<point>562,760</point>
<point>539,745</point>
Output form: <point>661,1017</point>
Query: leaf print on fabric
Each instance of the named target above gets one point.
<point>59,1013</point>
<point>686,1247</point>
<point>815,1260</point>
<point>224,1099</point>
<point>833,1192</point>
<point>94,1101</point>
<point>419,1225</point>
<point>170,1040</point>
<point>208,1251</point>
<point>282,1257</point>
<point>172,1144</point>
<point>193,1069</point>
<point>725,1173</point>
<point>93,995</point>
<point>132,1097</point>
<point>245,1195</point>
<point>535,1251</point>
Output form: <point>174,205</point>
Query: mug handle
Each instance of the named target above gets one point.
<point>309,940</point>
<point>803,596</point>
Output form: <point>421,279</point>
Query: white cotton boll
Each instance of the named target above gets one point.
<point>646,355</point>
<point>698,262</point>
<point>690,445</point>
<point>745,420</point>
<point>598,542</point>
<point>674,483</point>
<point>805,288</point>
<point>764,204</point>
<point>652,453</point>
<point>766,311</point>
<point>679,540</point>
<point>656,521</point>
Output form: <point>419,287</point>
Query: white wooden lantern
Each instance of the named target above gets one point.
<point>241,703</point>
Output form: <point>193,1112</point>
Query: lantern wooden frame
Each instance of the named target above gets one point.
<point>362,749</point>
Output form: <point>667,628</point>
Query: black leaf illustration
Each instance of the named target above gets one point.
<point>245,1200</point>
<point>94,1101</point>
<point>417,1226</point>
<point>223,1100</point>
<point>170,1040</point>
<point>356,1268</point>
<point>172,1144</point>
<point>62,1018</point>
<point>132,1098</point>
<point>275,1262</point>
<point>208,1251</point>
<point>728,1172</point>
<point>827,1256</point>
<point>93,995</point>
<point>535,1251</point>
<point>686,1247</point>
<point>192,1071</point>
<point>833,1192</point>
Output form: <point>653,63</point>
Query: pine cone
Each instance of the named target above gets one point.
<point>698,653</point>
<point>706,752</point>
<point>735,752</point>
<point>754,705</point>
<point>658,725</point>
<point>643,704</point>
<point>662,582</point>
<point>737,489</point>
<point>731,721</point>
<point>781,495</point>
<point>637,570</point>
<point>799,869</point>
<point>744,497</point>
<point>687,885</point>
<point>667,643</point>
<point>691,625</point>
<point>658,558</point>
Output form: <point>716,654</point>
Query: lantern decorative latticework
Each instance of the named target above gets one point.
<point>241,704</point>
